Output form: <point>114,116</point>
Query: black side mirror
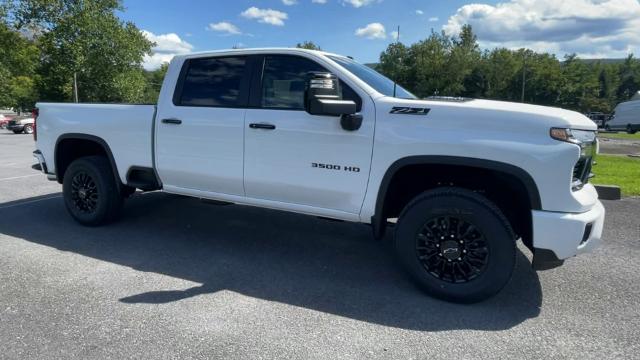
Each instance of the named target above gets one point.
<point>322,96</point>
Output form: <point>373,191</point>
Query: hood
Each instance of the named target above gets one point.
<point>499,112</point>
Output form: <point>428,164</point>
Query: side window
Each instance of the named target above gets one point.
<point>283,81</point>
<point>213,82</point>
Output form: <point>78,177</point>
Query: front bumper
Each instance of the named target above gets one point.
<point>558,236</point>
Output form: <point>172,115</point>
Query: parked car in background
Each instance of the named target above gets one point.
<point>21,125</point>
<point>4,120</point>
<point>626,117</point>
<point>599,118</point>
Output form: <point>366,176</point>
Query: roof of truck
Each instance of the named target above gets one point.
<point>277,50</point>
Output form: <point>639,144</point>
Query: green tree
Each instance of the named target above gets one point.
<point>629,74</point>
<point>309,45</point>
<point>19,59</point>
<point>154,81</point>
<point>85,38</point>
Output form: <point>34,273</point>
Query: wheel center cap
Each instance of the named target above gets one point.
<point>450,250</point>
<point>82,193</point>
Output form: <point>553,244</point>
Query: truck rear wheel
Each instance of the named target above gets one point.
<point>90,191</point>
<point>456,245</point>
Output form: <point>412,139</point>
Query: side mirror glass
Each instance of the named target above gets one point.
<point>323,96</point>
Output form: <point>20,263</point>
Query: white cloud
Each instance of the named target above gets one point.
<point>591,28</point>
<point>289,2</point>
<point>372,31</point>
<point>167,46</point>
<point>359,3</point>
<point>419,12</point>
<point>266,16</point>
<point>319,1</point>
<point>434,19</point>
<point>224,27</point>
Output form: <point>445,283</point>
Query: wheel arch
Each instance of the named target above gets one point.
<point>62,160</point>
<point>378,221</point>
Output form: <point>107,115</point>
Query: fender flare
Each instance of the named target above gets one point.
<point>96,139</point>
<point>377,220</point>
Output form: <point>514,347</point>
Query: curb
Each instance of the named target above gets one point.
<point>609,192</point>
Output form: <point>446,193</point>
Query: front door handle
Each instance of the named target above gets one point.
<point>263,126</point>
<point>172,121</point>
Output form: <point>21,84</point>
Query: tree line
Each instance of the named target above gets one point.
<point>456,66</point>
<point>50,49</point>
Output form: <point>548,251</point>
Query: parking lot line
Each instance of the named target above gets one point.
<point>19,177</point>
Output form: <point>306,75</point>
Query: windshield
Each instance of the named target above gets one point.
<point>373,78</point>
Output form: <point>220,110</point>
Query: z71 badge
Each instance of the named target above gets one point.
<point>335,167</point>
<point>409,110</point>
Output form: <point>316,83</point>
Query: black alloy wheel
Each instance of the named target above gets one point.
<point>84,192</point>
<point>452,249</point>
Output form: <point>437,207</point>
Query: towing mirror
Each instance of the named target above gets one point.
<point>323,96</point>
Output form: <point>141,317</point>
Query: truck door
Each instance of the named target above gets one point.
<point>297,158</point>
<point>200,131</point>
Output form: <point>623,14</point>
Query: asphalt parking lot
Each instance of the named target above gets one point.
<point>178,278</point>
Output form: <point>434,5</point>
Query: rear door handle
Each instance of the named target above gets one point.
<point>263,126</point>
<point>172,121</point>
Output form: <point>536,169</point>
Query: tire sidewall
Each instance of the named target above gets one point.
<point>102,210</point>
<point>492,225</point>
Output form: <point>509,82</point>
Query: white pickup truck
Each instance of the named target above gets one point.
<point>458,180</point>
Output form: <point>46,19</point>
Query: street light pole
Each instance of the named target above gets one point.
<point>524,73</point>
<point>75,87</point>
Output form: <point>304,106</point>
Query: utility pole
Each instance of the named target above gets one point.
<point>395,84</point>
<point>524,72</point>
<point>75,87</point>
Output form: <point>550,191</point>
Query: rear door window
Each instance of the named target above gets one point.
<point>214,82</point>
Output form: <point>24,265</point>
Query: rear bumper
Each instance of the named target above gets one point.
<point>558,236</point>
<point>41,165</point>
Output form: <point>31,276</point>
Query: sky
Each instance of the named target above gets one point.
<point>364,28</point>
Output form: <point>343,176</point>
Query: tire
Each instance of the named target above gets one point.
<point>630,129</point>
<point>483,257</point>
<point>28,129</point>
<point>17,131</point>
<point>90,191</point>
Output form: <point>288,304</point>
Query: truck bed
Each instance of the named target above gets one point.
<point>126,129</point>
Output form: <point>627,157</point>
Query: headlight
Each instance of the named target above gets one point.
<point>573,136</point>
<point>587,142</point>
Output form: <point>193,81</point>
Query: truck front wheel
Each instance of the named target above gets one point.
<point>456,245</point>
<point>90,191</point>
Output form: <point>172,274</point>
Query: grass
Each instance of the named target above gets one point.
<point>620,135</point>
<point>618,170</point>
